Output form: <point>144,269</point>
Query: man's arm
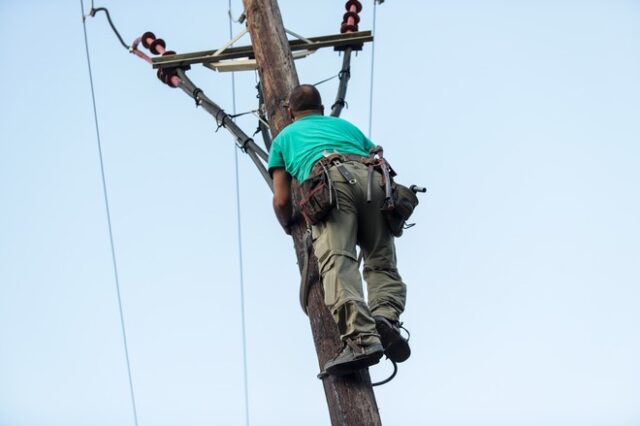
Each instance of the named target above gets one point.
<point>282,198</point>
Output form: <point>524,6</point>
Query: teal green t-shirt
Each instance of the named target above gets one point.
<point>302,143</point>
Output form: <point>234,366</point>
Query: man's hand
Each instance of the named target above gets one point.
<point>282,198</point>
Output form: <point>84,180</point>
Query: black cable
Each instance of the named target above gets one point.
<point>344,75</point>
<point>222,120</point>
<point>93,12</point>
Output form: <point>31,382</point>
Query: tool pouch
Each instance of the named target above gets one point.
<point>397,214</point>
<point>318,198</point>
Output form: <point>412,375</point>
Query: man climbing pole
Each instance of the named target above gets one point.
<point>331,157</point>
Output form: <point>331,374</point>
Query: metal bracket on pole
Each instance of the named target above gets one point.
<point>298,36</point>
<point>231,42</point>
<point>247,64</point>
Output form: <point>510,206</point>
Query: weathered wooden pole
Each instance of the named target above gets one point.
<point>350,398</point>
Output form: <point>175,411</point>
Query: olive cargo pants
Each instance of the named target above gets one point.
<point>354,221</point>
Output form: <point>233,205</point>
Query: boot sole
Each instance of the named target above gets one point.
<point>396,347</point>
<point>355,365</point>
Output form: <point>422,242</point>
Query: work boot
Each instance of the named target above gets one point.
<point>353,357</point>
<point>396,347</point>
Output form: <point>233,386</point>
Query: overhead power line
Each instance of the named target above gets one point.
<point>240,255</point>
<point>373,51</point>
<point>108,214</point>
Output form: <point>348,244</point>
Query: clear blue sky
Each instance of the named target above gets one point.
<point>521,117</point>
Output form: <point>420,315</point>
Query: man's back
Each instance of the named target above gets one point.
<point>303,142</point>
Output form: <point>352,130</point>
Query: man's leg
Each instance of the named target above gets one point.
<point>334,243</point>
<point>387,292</point>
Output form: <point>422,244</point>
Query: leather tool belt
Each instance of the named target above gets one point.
<point>319,195</point>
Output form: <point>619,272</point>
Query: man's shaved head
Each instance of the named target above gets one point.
<point>305,98</point>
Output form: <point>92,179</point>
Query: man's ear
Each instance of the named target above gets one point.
<point>291,115</point>
<point>322,109</point>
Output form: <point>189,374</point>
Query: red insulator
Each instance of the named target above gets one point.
<point>353,6</point>
<point>348,28</point>
<point>172,80</point>
<point>351,18</point>
<point>158,46</point>
<point>147,38</point>
<point>169,52</point>
<point>168,76</point>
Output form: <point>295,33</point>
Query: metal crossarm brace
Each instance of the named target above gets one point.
<point>245,142</point>
<point>356,39</point>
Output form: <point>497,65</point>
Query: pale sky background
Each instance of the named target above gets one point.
<point>522,119</point>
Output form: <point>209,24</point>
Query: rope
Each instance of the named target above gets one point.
<point>108,213</point>
<point>240,257</point>
<point>373,51</point>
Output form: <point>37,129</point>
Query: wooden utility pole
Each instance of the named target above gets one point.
<point>350,398</point>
